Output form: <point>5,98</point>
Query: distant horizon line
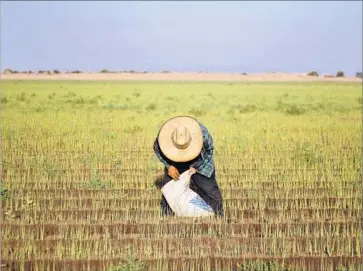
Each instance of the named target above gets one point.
<point>75,71</point>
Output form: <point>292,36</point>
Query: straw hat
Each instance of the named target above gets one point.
<point>181,139</point>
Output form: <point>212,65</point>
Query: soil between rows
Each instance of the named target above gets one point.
<point>181,263</point>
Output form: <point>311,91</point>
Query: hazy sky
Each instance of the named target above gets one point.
<point>183,36</point>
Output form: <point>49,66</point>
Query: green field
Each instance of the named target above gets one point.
<point>78,173</point>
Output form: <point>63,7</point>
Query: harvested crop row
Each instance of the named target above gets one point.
<point>243,203</point>
<point>227,192</point>
<point>33,215</point>
<point>156,247</point>
<point>187,230</point>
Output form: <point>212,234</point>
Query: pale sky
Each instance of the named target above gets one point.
<point>210,36</point>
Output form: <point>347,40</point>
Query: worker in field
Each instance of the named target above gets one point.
<point>183,143</point>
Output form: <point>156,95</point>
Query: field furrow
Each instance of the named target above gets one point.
<point>186,262</point>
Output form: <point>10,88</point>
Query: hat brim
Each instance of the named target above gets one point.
<point>166,144</point>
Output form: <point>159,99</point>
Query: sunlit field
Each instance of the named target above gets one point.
<point>78,176</point>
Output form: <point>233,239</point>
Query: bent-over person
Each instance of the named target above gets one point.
<point>183,143</point>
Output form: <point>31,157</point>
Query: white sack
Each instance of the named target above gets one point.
<point>183,200</point>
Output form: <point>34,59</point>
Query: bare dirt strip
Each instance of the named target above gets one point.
<point>180,76</point>
<point>210,262</point>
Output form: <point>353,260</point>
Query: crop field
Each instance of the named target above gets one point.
<point>78,176</point>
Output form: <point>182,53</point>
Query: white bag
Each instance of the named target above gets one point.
<point>183,200</point>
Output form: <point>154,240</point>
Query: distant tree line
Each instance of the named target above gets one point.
<point>55,71</point>
<point>338,74</point>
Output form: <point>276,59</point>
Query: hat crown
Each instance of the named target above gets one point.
<point>181,137</point>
